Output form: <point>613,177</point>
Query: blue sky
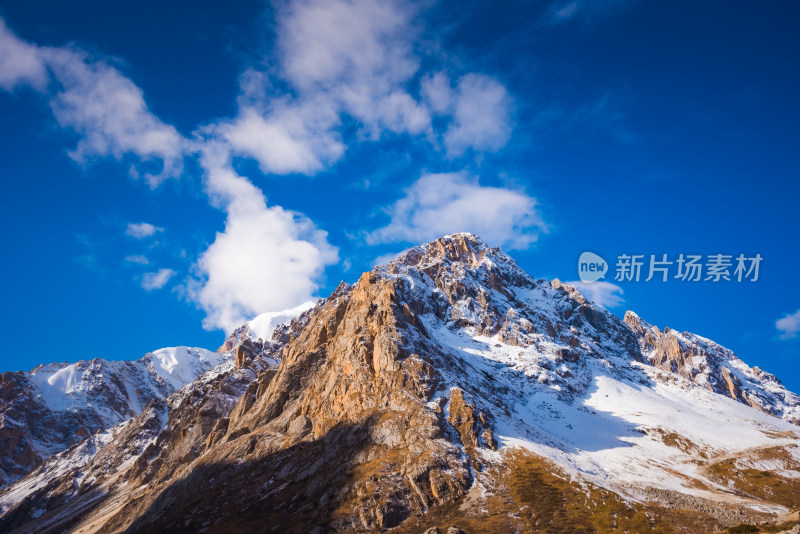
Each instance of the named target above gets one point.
<point>170,170</point>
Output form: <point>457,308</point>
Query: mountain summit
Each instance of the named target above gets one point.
<point>447,387</point>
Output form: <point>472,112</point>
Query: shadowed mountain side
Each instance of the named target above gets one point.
<point>286,491</point>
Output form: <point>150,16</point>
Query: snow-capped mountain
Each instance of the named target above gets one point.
<point>54,406</point>
<point>446,388</point>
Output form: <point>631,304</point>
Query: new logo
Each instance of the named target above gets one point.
<point>591,267</point>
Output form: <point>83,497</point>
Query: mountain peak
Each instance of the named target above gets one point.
<point>460,262</point>
<point>464,248</point>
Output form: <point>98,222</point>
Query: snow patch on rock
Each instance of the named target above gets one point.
<point>263,325</point>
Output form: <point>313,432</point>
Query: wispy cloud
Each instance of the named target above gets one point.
<point>340,59</point>
<point>789,325</point>
<point>562,11</point>
<point>354,62</point>
<point>97,102</point>
<point>90,253</point>
<point>107,110</point>
<point>157,279</point>
<point>603,293</point>
<point>478,111</point>
<point>359,53</point>
<point>20,62</point>
<point>383,259</point>
<point>601,115</point>
<point>288,137</point>
<point>438,204</point>
<point>142,230</point>
<point>138,259</point>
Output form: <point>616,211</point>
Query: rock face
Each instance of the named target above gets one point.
<point>714,367</point>
<point>445,388</point>
<point>54,406</point>
<point>352,380</point>
<point>252,343</point>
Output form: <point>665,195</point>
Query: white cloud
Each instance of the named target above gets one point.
<point>439,204</point>
<point>481,115</point>
<point>267,258</point>
<point>96,101</point>
<point>340,58</point>
<point>329,42</point>
<point>603,293</point>
<point>20,62</point>
<point>138,258</point>
<point>359,53</point>
<point>437,92</point>
<point>354,62</point>
<point>478,109</point>
<point>108,111</point>
<point>157,279</point>
<point>789,325</point>
<point>142,230</point>
<point>286,139</point>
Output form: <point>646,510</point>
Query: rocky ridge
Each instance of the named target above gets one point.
<point>52,407</point>
<point>429,385</point>
<point>714,367</point>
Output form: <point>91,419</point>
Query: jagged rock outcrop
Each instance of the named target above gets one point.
<point>252,344</point>
<point>354,366</point>
<point>473,426</point>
